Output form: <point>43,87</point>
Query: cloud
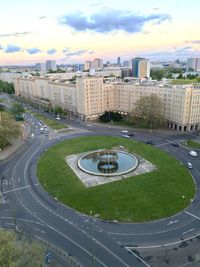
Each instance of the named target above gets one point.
<point>42,17</point>
<point>96,4</point>
<point>65,50</point>
<point>110,20</point>
<point>51,51</point>
<point>173,52</point>
<point>77,53</point>
<point>33,50</point>
<point>193,42</point>
<point>14,34</point>
<point>90,52</point>
<point>184,49</point>
<point>12,48</point>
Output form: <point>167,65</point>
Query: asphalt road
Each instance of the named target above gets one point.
<point>93,242</point>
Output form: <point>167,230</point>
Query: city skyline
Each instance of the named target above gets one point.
<point>72,32</point>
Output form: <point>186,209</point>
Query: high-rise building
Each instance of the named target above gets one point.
<point>87,65</point>
<point>40,66</point>
<point>140,68</point>
<point>193,64</point>
<point>118,61</point>
<point>51,65</point>
<point>97,63</point>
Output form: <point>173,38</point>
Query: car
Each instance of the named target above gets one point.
<point>150,142</point>
<point>130,134</point>
<point>193,153</point>
<point>124,131</point>
<point>175,144</point>
<point>126,136</point>
<point>189,165</point>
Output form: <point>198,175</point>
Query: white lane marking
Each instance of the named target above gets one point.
<point>16,189</point>
<point>66,220</point>
<point>138,257</point>
<point>186,232</point>
<point>187,212</point>
<point>3,200</point>
<point>10,224</point>
<point>50,227</point>
<point>172,222</point>
<point>25,220</point>
<point>39,230</point>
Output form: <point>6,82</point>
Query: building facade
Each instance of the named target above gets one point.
<point>193,65</point>
<point>140,68</point>
<point>91,96</point>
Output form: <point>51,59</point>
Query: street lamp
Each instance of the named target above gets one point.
<point>92,235</point>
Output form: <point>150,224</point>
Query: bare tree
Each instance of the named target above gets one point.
<point>150,109</point>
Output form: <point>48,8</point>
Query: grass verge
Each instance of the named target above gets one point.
<point>144,197</point>
<point>192,144</point>
<point>55,125</point>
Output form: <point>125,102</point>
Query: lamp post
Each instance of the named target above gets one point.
<point>92,235</point>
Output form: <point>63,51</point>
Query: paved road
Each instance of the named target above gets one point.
<point>92,242</point>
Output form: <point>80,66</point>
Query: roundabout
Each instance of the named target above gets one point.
<point>148,197</point>
<point>157,193</point>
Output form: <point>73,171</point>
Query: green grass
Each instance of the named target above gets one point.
<point>144,197</point>
<point>51,123</point>
<point>183,81</point>
<point>192,144</point>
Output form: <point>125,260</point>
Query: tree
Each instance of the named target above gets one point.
<point>9,128</point>
<point>17,253</point>
<point>7,87</point>
<point>17,109</point>
<point>149,109</point>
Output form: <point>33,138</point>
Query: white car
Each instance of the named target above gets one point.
<point>189,165</point>
<point>126,136</point>
<point>57,118</point>
<point>124,131</point>
<point>193,153</point>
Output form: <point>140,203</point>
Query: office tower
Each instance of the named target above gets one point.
<point>193,64</point>
<point>140,68</point>
<point>118,61</point>
<point>51,65</point>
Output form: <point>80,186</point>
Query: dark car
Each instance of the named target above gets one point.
<point>175,144</point>
<point>131,134</point>
<point>150,142</point>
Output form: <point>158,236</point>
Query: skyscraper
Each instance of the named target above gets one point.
<point>51,65</point>
<point>193,64</point>
<point>140,67</point>
<point>118,61</point>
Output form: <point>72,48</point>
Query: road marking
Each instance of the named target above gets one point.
<point>16,189</point>
<point>186,232</point>
<point>39,230</point>
<point>138,257</point>
<point>66,220</point>
<point>172,222</point>
<point>187,212</point>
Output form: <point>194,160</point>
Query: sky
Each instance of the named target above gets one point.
<point>74,31</point>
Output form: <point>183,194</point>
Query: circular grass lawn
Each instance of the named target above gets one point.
<point>160,193</point>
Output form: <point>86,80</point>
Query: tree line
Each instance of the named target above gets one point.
<point>6,87</point>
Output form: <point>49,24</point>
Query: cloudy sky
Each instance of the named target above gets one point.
<point>75,31</point>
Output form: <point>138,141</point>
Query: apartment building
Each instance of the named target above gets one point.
<point>91,96</point>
